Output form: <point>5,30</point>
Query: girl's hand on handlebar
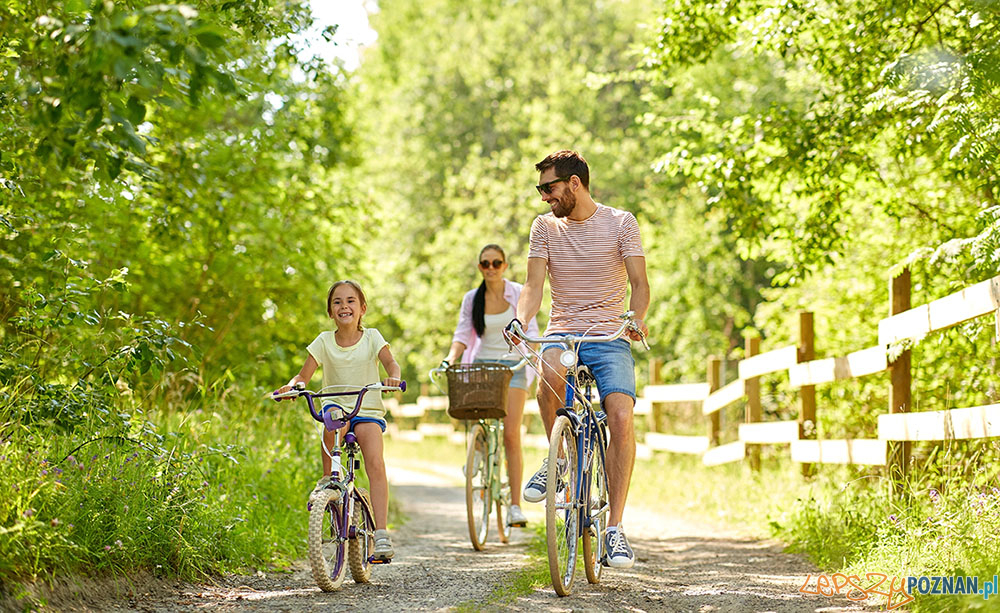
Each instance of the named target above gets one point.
<point>284,389</point>
<point>391,381</point>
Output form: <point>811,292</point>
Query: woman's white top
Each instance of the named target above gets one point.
<point>494,346</point>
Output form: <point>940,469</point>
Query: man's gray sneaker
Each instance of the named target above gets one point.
<point>619,553</point>
<point>383,546</point>
<point>516,518</point>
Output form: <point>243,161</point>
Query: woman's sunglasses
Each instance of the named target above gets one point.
<point>485,264</point>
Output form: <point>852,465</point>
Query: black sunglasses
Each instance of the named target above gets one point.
<point>546,188</point>
<point>485,264</point>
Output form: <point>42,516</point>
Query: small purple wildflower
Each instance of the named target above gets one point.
<point>71,459</point>
<point>29,512</point>
<point>935,497</point>
<point>893,518</point>
<point>45,472</point>
<point>119,544</point>
<point>107,548</point>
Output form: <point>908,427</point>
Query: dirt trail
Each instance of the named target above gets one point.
<point>681,566</point>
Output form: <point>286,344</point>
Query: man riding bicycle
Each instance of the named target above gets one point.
<point>591,252</point>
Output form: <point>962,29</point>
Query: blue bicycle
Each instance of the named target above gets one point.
<point>576,490</point>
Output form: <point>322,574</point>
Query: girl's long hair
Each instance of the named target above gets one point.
<point>479,300</point>
<point>357,288</point>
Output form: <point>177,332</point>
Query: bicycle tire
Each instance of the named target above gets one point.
<point>503,501</point>
<point>562,509</point>
<point>477,487</point>
<point>326,555</point>
<point>598,510</point>
<point>361,546</point>
<point>503,528</point>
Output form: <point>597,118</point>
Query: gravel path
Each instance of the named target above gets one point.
<point>681,566</point>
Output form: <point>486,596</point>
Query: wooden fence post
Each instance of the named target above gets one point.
<point>657,411</point>
<point>807,393</point>
<point>899,386</point>
<point>713,384</point>
<point>753,401</point>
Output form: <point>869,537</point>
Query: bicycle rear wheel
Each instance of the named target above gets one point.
<point>362,543</point>
<point>503,512</point>
<point>597,511</point>
<point>477,487</point>
<point>562,509</point>
<point>327,545</point>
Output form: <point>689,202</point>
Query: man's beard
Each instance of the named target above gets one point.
<point>566,204</point>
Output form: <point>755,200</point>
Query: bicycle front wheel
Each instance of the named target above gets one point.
<point>562,508</point>
<point>362,543</point>
<point>477,487</point>
<point>327,544</point>
<point>598,510</point>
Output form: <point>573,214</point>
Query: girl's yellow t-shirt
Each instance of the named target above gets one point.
<point>356,365</point>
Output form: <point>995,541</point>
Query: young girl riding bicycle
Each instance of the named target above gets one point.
<point>350,356</point>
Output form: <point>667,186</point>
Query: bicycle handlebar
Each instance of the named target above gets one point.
<point>629,323</point>
<point>325,417</point>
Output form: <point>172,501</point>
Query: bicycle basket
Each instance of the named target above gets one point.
<point>478,391</point>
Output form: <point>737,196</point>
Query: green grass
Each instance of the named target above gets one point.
<point>534,575</point>
<point>180,490</point>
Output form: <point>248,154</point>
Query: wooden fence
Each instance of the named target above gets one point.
<point>897,427</point>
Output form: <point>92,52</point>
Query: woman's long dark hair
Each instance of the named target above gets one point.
<point>479,300</point>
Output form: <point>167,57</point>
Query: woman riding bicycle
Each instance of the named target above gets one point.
<point>479,338</point>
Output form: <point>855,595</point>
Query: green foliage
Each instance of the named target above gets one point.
<point>453,123</point>
<point>848,102</point>
<point>107,490</point>
<point>945,524</point>
<point>170,179</point>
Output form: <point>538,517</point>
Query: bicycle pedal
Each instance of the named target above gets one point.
<point>374,560</point>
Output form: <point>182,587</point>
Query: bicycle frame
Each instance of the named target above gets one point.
<point>590,431</point>
<point>588,428</point>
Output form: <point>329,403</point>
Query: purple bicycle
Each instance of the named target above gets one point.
<point>341,522</point>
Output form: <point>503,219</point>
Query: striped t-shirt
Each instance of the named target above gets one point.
<point>586,267</point>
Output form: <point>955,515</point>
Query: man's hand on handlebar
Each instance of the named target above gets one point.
<point>510,332</point>
<point>639,331</point>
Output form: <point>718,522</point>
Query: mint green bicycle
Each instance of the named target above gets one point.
<point>477,394</point>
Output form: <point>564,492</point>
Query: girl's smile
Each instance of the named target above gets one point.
<point>346,307</point>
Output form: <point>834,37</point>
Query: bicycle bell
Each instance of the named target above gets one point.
<point>567,358</point>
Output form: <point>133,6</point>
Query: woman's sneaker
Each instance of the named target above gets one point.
<point>619,553</point>
<point>516,518</point>
<point>383,546</point>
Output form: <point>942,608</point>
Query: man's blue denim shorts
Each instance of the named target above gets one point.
<point>520,378</point>
<point>611,363</point>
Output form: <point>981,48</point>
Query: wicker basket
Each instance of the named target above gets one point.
<point>478,391</point>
